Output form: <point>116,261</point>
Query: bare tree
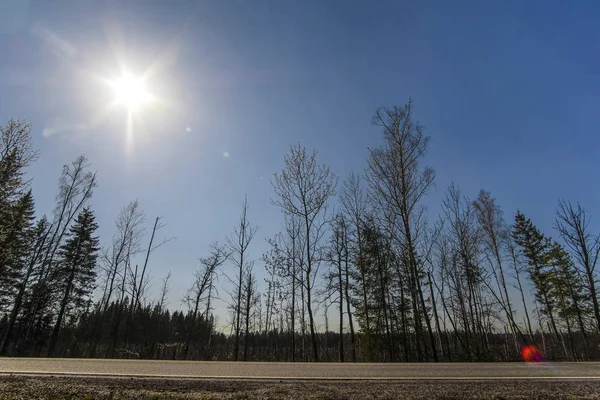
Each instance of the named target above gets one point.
<point>336,256</point>
<point>295,262</point>
<point>285,259</point>
<point>519,269</point>
<point>16,135</point>
<point>139,288</point>
<point>16,154</point>
<point>203,279</point>
<point>164,291</point>
<point>467,274</point>
<point>238,246</point>
<point>398,184</point>
<point>572,223</point>
<point>494,235</point>
<point>115,264</point>
<point>354,206</point>
<point>303,189</point>
<point>126,242</point>
<point>276,264</point>
<point>251,298</point>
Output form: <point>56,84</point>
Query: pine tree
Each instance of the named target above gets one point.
<point>536,249</point>
<point>568,287</point>
<point>36,248</point>
<point>16,203</point>
<point>76,274</point>
<point>16,246</point>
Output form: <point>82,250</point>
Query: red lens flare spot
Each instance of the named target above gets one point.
<point>531,354</point>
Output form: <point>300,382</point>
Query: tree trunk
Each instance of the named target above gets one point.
<point>311,320</point>
<point>238,308</point>
<point>293,310</point>
<point>592,287</point>
<point>403,318</point>
<point>347,294</point>
<point>61,313</point>
<point>518,277</point>
<point>6,337</point>
<point>248,305</point>
<point>341,290</point>
<point>435,313</point>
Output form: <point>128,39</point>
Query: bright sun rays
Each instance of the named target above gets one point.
<point>130,91</point>
<point>118,88</point>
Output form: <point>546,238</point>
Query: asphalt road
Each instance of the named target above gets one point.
<point>252,370</point>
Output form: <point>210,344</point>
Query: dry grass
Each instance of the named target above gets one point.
<point>13,388</point>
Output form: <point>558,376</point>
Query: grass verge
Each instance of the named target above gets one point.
<point>71,388</point>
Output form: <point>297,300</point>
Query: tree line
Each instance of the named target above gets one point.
<point>361,254</point>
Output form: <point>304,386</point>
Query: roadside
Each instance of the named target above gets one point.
<point>14,387</point>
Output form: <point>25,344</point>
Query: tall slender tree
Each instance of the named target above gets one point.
<point>201,287</point>
<point>398,183</point>
<point>494,233</point>
<point>38,244</point>
<point>536,249</point>
<point>302,190</point>
<point>336,256</point>
<point>76,186</point>
<point>16,245</point>
<point>251,298</point>
<point>572,223</point>
<point>16,205</point>
<point>76,272</point>
<point>238,247</point>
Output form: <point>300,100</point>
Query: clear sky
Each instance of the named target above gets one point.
<point>509,92</point>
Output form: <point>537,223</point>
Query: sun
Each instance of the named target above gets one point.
<point>130,91</point>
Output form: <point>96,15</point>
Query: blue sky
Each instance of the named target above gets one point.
<point>508,91</point>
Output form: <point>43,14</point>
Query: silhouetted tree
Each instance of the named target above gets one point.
<point>406,289</point>
<point>536,249</point>
<point>302,190</point>
<point>398,183</point>
<point>572,223</point>
<point>200,288</point>
<point>238,248</point>
<point>75,274</point>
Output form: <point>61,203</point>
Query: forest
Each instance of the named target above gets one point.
<point>361,252</point>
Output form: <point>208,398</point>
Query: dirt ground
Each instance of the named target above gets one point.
<point>13,388</point>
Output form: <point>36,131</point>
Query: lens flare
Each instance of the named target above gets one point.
<point>531,354</point>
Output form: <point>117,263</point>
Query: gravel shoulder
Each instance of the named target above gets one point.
<point>76,388</point>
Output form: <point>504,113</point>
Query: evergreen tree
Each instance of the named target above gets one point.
<point>75,274</point>
<point>374,262</point>
<point>568,287</point>
<point>16,203</point>
<point>536,249</point>
<point>37,245</point>
<point>16,246</point>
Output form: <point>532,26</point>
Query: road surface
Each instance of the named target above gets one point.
<point>300,371</point>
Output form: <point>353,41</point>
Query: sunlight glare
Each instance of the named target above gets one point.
<point>130,91</point>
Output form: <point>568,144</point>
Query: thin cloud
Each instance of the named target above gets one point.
<point>68,129</point>
<point>54,42</point>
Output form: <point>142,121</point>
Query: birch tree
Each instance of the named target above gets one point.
<point>238,245</point>
<point>302,189</point>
